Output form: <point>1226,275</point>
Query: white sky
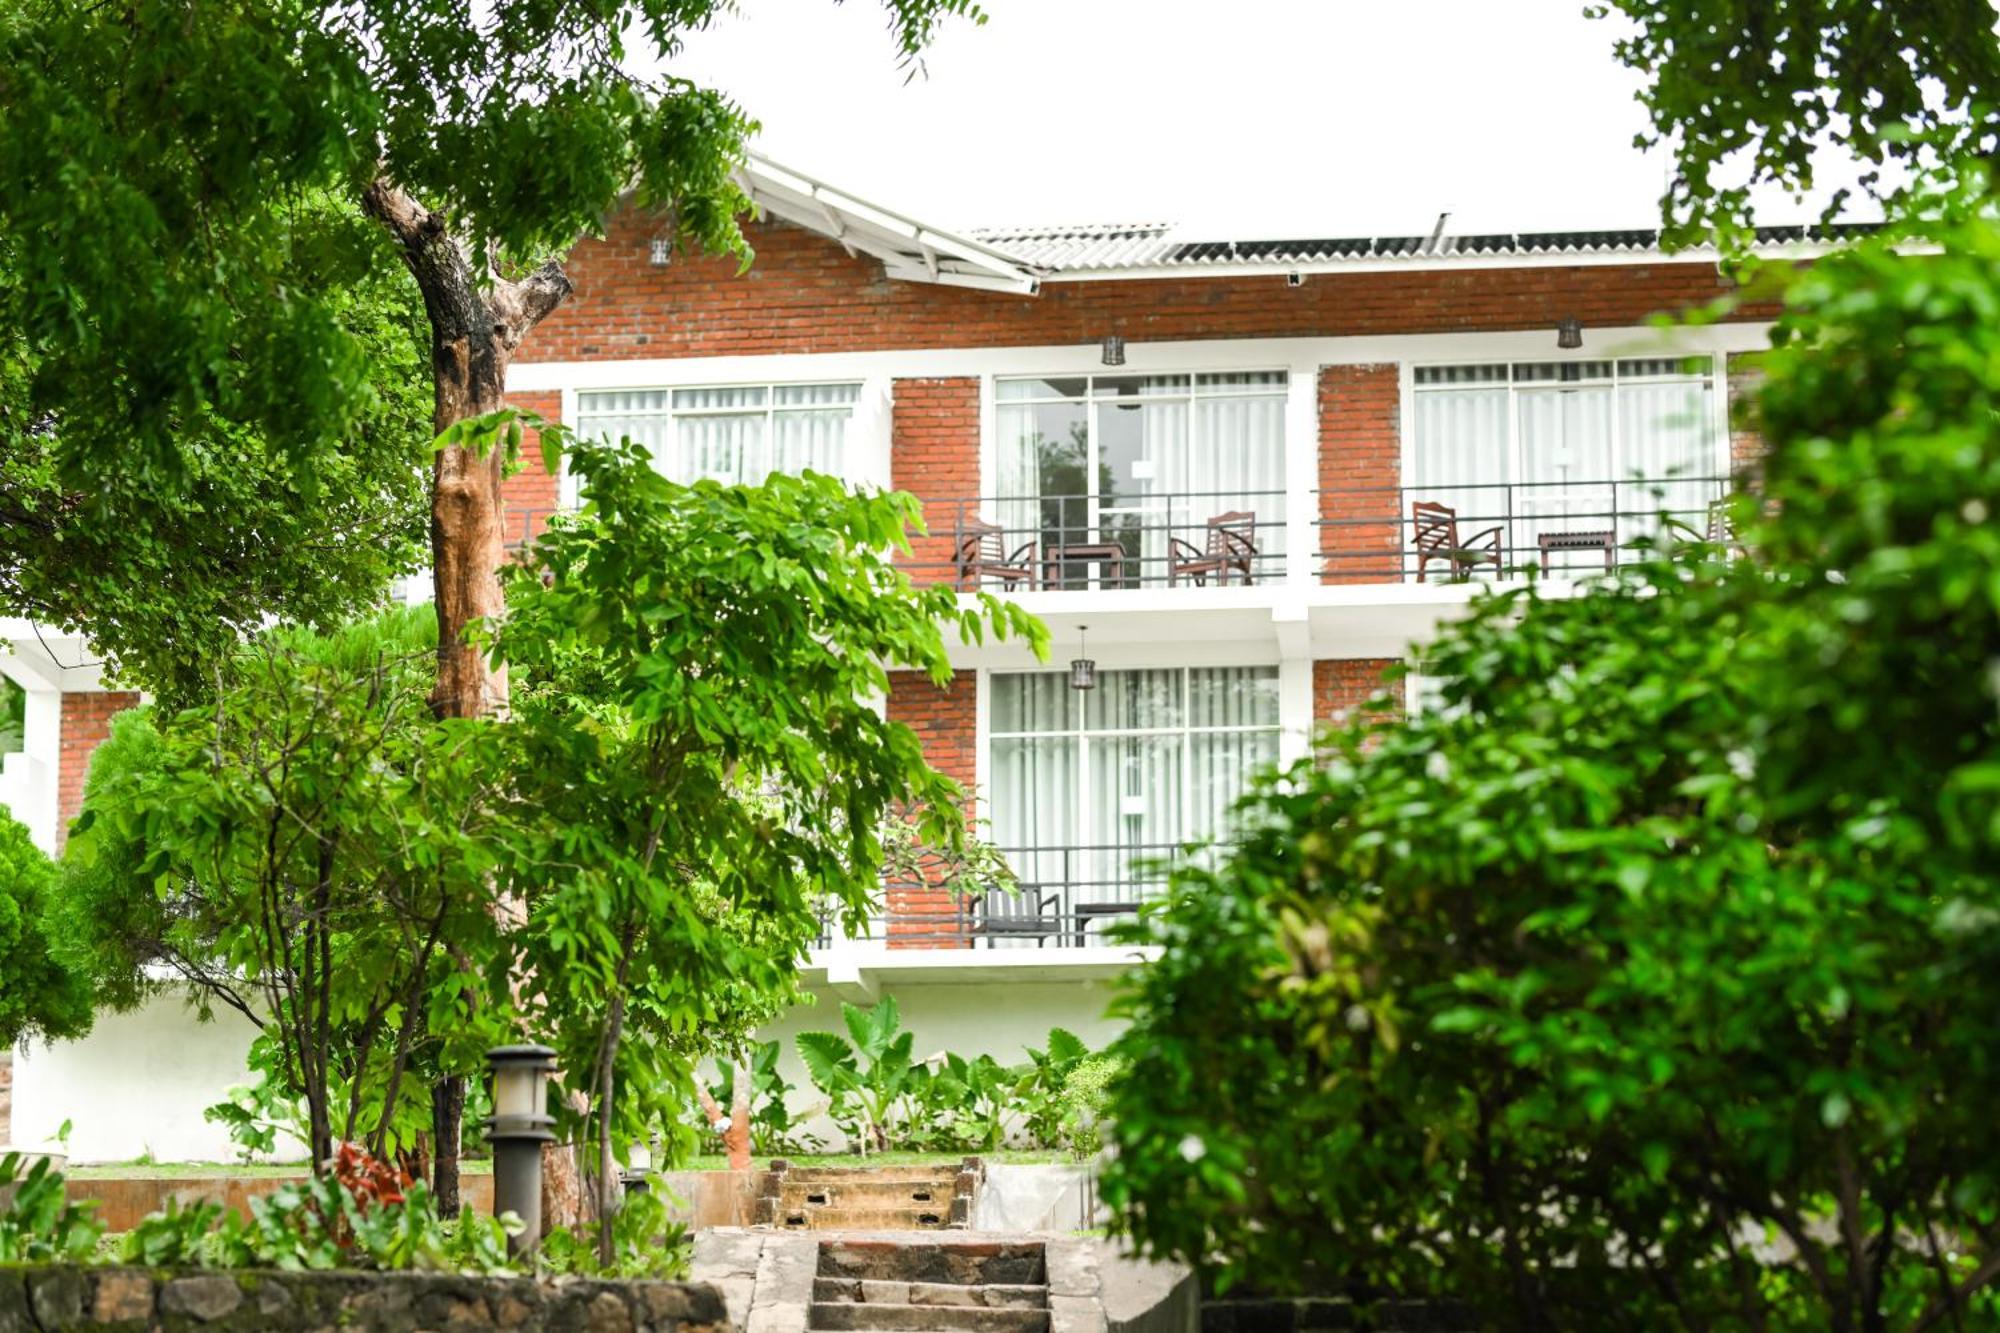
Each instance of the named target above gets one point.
<point>1232,117</point>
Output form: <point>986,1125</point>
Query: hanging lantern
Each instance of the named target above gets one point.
<point>1114,350</point>
<point>1569,333</point>
<point>1082,669</point>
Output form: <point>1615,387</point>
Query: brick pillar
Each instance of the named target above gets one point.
<point>945,720</point>
<point>934,455</point>
<point>86,721</point>
<point>1746,443</point>
<point>1360,469</point>
<point>1342,685</point>
<point>533,494</point>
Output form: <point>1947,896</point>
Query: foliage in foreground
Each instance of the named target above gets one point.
<point>1655,972</point>
<point>41,995</point>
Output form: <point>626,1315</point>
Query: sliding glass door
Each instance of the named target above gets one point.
<point>1134,461</point>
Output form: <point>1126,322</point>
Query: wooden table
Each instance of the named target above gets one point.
<point>1054,558</point>
<point>1604,539</point>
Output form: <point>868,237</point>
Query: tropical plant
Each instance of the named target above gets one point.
<point>866,1082</point>
<point>773,1132</point>
<point>176,1236</point>
<point>1038,1095</point>
<point>961,1105</point>
<point>1086,1103</point>
<point>38,1224</point>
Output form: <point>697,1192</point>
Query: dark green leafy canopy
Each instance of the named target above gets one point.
<point>182,321</point>
<point>1743,90</point>
<point>40,996</point>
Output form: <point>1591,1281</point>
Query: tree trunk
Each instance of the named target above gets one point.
<point>447,1128</point>
<point>737,1139</point>
<point>474,331</point>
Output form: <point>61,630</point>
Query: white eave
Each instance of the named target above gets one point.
<point>909,250</point>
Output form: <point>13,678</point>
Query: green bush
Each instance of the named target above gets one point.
<point>40,996</point>
<point>1655,975</point>
<point>38,1225</point>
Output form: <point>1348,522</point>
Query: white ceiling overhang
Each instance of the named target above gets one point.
<point>908,249</point>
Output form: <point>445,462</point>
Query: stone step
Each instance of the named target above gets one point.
<point>864,1192</point>
<point>924,1318</point>
<point>876,1291</point>
<point>908,1217</point>
<point>961,1262</point>
<point>834,1174</point>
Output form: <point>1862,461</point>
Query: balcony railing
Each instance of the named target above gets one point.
<point>1060,897</point>
<point>1073,542</point>
<point>1459,533</point>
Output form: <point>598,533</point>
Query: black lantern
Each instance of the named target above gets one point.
<point>517,1131</point>
<point>1082,669</point>
<point>1569,333</point>
<point>1114,350</point>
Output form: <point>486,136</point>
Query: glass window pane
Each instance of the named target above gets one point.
<point>1148,700</point>
<point>1658,366</point>
<point>708,400</point>
<point>1138,386</point>
<point>1135,813</point>
<point>1561,371</point>
<point>1233,697</point>
<point>1461,375</point>
<point>815,395</point>
<point>1243,381</point>
<point>1032,801</point>
<point>1221,765</point>
<point>1016,390</point>
<point>728,449</point>
<point>1032,701</point>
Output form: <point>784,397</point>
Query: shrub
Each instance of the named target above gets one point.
<point>38,1225</point>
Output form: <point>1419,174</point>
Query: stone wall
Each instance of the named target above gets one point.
<point>51,1297</point>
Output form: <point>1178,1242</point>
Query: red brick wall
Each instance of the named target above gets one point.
<point>86,721</point>
<point>533,494</point>
<point>934,453</point>
<point>946,721</point>
<point>1360,467</point>
<point>1341,685</point>
<point>804,293</point>
<point>1746,444</point>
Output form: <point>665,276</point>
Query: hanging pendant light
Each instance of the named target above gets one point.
<point>1082,669</point>
<point>1114,350</point>
<point>1569,333</point>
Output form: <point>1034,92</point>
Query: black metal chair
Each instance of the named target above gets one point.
<point>1023,913</point>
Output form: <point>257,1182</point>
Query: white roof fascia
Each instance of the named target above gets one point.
<point>889,236</point>
<point>1427,264</point>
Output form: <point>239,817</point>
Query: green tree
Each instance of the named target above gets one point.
<point>703,778</point>
<point>1743,92</point>
<point>158,160</point>
<point>318,854</point>
<point>166,574</point>
<point>1654,972</point>
<point>40,997</point>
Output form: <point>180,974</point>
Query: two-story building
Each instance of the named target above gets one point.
<point>1238,479</point>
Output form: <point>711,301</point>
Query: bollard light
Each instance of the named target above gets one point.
<point>638,1162</point>
<point>519,1127</point>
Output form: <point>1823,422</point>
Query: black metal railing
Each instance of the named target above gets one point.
<point>1058,896</point>
<point>521,525</point>
<point>1077,542</point>
<point>1460,533</point>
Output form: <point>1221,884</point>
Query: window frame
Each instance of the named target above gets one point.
<point>769,409</point>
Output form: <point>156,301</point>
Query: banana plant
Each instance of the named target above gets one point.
<point>864,1082</point>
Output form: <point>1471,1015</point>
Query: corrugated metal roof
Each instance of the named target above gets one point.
<point>1114,246</point>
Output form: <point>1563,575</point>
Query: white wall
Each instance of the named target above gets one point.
<point>136,1085</point>
<point>997,1017</point>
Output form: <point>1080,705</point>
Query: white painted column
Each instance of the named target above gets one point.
<point>1302,474</point>
<point>28,777</point>
<point>1295,709</point>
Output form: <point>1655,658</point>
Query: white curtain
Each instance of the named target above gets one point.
<point>637,416</point>
<point>809,428</point>
<point>1462,459</point>
<point>1566,472</point>
<point>1666,432</point>
<point>1236,463</point>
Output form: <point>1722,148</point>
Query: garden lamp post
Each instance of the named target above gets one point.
<point>517,1131</point>
<point>638,1161</point>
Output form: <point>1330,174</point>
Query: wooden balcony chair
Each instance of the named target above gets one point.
<point>1720,528</point>
<point>982,554</point>
<point>1231,549</point>
<point>1435,535</point>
